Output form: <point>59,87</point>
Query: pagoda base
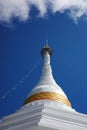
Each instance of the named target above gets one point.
<point>44,116</point>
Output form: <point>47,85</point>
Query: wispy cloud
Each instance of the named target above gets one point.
<point>10,9</point>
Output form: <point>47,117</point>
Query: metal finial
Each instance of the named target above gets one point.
<point>45,49</point>
<point>47,41</point>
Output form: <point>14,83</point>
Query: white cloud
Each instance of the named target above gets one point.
<point>20,9</point>
<point>0,120</point>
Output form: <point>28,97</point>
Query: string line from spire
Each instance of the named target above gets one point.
<point>21,81</point>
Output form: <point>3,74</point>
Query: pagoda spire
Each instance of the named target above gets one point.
<point>47,88</point>
<point>45,49</point>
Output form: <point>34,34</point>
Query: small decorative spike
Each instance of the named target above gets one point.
<point>45,49</point>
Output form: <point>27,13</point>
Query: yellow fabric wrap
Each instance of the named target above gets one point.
<point>48,96</point>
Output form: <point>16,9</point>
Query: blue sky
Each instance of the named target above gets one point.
<point>20,46</point>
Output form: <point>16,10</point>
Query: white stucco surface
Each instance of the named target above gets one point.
<point>47,82</point>
<point>45,114</point>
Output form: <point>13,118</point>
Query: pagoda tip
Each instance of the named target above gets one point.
<point>45,49</point>
<point>46,46</point>
<point>47,41</point>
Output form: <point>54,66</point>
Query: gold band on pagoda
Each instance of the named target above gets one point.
<point>47,96</point>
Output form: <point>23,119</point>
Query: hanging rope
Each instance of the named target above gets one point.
<point>21,81</point>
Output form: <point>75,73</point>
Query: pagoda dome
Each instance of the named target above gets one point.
<point>47,90</point>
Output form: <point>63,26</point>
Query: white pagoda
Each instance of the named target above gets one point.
<point>46,107</point>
